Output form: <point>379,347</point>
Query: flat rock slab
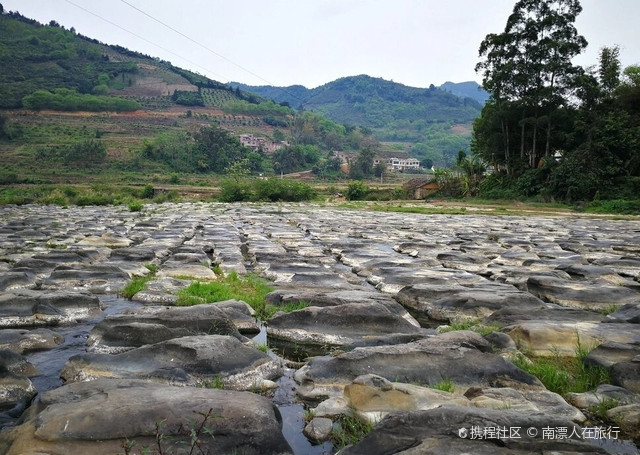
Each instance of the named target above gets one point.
<point>97,417</point>
<point>339,326</point>
<point>454,356</point>
<point>31,308</point>
<point>152,325</point>
<point>564,338</point>
<point>581,294</point>
<point>450,302</point>
<point>448,430</point>
<point>191,360</point>
<point>21,340</point>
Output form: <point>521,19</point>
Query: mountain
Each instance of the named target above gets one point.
<point>428,122</point>
<point>469,89</point>
<point>49,57</point>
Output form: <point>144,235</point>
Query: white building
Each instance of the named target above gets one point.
<point>399,164</point>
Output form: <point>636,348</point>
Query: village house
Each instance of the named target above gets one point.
<point>257,143</point>
<point>399,164</point>
<point>422,187</point>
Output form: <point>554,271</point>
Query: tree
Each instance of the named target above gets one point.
<point>528,67</point>
<point>363,164</point>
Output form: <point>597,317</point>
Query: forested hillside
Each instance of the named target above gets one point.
<point>433,123</point>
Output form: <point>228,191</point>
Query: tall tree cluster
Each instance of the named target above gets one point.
<point>579,125</point>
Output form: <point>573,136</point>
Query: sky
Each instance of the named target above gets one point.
<point>313,42</point>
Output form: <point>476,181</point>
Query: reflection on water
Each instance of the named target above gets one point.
<point>291,411</point>
<point>49,363</point>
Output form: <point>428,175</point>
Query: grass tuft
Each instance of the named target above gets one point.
<point>445,385</point>
<point>250,289</point>
<point>349,431</point>
<point>564,375</point>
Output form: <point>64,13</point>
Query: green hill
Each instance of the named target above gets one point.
<point>49,57</point>
<point>428,122</point>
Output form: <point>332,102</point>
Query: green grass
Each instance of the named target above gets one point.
<point>261,347</point>
<point>564,375</point>
<point>470,324</point>
<point>600,409</point>
<point>135,285</point>
<point>250,289</point>
<point>215,382</point>
<point>270,310</point>
<point>349,431</point>
<point>445,385</point>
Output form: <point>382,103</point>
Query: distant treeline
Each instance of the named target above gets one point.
<point>63,99</point>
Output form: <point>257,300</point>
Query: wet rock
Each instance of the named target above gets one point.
<point>16,364</point>
<point>191,360</point>
<point>97,417</point>
<point>448,430</point>
<point>319,429</point>
<point>29,308</point>
<point>17,279</point>
<point>455,356</point>
<point>21,341</point>
<point>16,392</point>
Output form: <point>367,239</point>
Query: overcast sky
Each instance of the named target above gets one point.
<point>312,42</point>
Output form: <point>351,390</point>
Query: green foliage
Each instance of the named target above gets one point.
<point>276,190</point>
<point>563,375</point>
<point>614,206</point>
<point>84,153</point>
<point>470,324</point>
<point>249,289</point>
<point>446,385</point>
<point>350,431</point>
<point>267,190</point>
<point>232,190</point>
<point>357,190</point>
<point>295,158</point>
<point>136,285</point>
<point>187,98</point>
<point>63,99</point>
<point>362,167</point>
<point>289,307</point>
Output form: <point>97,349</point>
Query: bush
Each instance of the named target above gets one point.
<point>147,191</point>
<point>614,206</point>
<point>275,190</point>
<point>357,190</point>
<point>271,190</point>
<point>235,191</point>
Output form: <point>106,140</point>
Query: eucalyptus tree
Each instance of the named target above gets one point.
<point>527,69</point>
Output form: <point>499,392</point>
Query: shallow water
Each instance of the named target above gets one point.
<point>49,363</point>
